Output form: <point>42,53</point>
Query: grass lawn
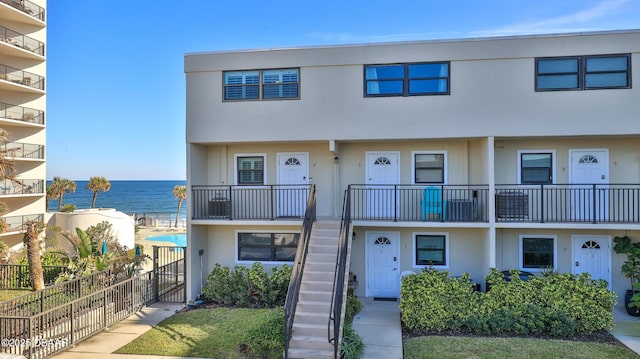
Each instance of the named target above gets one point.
<point>529,348</point>
<point>6,294</point>
<point>206,333</point>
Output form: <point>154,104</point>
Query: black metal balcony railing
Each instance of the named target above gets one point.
<point>439,203</point>
<point>249,202</point>
<point>22,186</point>
<point>17,223</point>
<point>570,203</point>
<point>22,41</point>
<point>27,7</point>
<point>18,76</point>
<point>19,113</point>
<point>23,150</point>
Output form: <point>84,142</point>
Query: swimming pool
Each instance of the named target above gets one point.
<point>179,240</point>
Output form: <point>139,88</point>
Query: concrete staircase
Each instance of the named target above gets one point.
<point>309,339</point>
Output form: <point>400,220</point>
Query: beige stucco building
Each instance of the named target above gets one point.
<point>22,112</point>
<point>511,152</point>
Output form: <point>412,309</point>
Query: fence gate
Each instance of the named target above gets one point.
<point>170,271</point>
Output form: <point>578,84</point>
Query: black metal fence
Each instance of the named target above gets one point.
<point>169,268</point>
<point>250,202</point>
<point>43,323</point>
<point>16,276</point>
<point>441,203</point>
<point>571,203</point>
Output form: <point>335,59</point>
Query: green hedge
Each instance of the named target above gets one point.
<point>553,304</point>
<point>248,287</point>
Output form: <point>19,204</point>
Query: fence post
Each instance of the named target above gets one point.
<point>104,308</point>
<point>155,274</point>
<point>184,274</point>
<point>594,207</point>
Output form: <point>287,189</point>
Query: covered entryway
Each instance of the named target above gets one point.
<point>589,176</point>
<point>592,254</point>
<point>293,170</point>
<point>383,168</point>
<point>382,258</point>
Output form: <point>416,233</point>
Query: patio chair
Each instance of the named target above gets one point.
<point>432,203</point>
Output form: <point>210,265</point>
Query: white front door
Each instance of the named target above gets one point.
<point>382,168</point>
<point>293,178</point>
<point>592,254</point>
<point>588,168</point>
<point>382,259</point>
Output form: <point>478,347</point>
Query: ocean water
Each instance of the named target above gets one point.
<point>137,198</point>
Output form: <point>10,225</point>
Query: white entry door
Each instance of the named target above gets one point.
<point>383,168</point>
<point>293,178</point>
<point>382,257</point>
<point>589,167</point>
<point>592,254</point>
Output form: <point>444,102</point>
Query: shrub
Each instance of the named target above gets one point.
<point>554,304</point>
<point>352,344</point>
<point>247,287</point>
<point>267,337</point>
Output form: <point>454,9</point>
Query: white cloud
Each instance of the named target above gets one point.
<point>574,22</point>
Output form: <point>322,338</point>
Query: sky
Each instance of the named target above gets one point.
<point>115,69</point>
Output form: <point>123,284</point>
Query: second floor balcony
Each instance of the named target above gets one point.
<point>557,203</point>
<point>17,224</point>
<point>27,7</point>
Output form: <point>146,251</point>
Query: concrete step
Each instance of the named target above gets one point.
<point>319,286</point>
<point>320,266</point>
<point>310,329</point>
<point>329,248</point>
<point>309,306</point>
<point>321,257</point>
<point>295,353</point>
<point>317,276</point>
<point>310,343</point>
<point>311,295</point>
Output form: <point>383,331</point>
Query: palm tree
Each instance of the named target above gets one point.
<point>58,187</point>
<point>32,244</point>
<point>97,184</point>
<point>180,192</point>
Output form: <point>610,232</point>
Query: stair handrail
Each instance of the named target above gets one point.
<point>337,296</point>
<point>291,301</point>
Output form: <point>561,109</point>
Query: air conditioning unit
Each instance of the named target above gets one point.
<point>459,210</point>
<point>512,204</point>
<point>219,208</point>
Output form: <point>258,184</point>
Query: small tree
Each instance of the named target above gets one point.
<point>97,184</point>
<point>32,244</point>
<point>58,187</point>
<point>179,192</point>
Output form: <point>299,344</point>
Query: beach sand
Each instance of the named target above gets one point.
<point>147,246</point>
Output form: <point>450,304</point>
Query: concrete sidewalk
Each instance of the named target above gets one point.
<point>626,329</point>
<point>378,323</point>
<point>103,344</point>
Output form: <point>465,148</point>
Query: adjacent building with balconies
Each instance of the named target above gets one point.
<point>22,113</point>
<point>509,152</point>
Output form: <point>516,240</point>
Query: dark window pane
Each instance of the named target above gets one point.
<point>263,239</point>
<point>606,80</point>
<point>429,168</point>
<point>597,64</point>
<point>430,250</point>
<point>558,82</point>
<point>285,254</point>
<point>536,168</point>
<point>537,252</point>
<point>424,175</point>
<point>554,66</point>
<point>254,253</point>
<point>384,87</point>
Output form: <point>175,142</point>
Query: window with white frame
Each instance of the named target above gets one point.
<point>266,247</point>
<point>538,252</point>
<point>262,84</point>
<point>429,167</point>
<point>431,249</point>
<point>250,169</point>
<point>536,167</point>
